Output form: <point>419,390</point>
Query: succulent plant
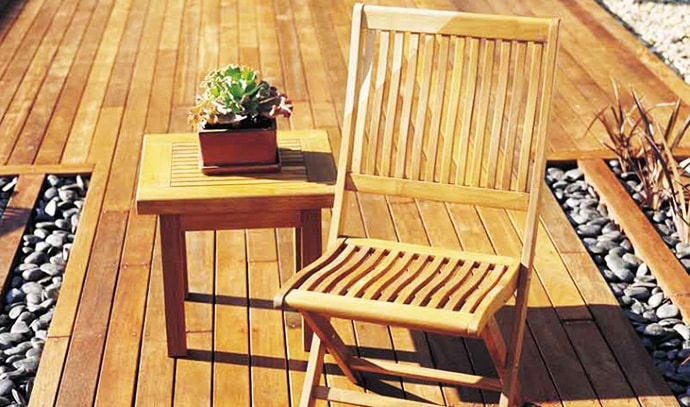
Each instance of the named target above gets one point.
<point>235,96</point>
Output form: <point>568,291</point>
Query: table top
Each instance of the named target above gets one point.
<point>170,181</point>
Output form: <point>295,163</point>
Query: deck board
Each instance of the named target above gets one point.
<point>83,80</point>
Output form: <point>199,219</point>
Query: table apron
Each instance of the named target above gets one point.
<point>241,220</point>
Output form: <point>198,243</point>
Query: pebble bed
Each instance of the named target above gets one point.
<point>662,219</point>
<point>36,278</point>
<point>662,25</point>
<point>656,320</point>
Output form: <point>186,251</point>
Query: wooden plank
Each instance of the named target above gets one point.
<point>560,358</point>
<point>266,342</point>
<point>80,375</point>
<point>87,116</point>
<point>156,371</point>
<point>603,370</point>
<point>473,237</point>
<point>558,226</point>
<point>7,170</point>
<point>63,112</point>
<point>117,380</point>
<point>296,354</point>
<point>193,374</point>
<point>49,372</point>
<point>21,63</point>
<point>126,159</point>
<point>645,239</point>
<point>412,345</point>
<point>433,225</point>
<point>554,276</point>
<point>50,76</point>
<point>231,379</point>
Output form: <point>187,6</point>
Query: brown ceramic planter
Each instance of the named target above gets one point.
<point>238,147</point>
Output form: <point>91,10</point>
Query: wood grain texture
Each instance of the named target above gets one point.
<point>84,80</point>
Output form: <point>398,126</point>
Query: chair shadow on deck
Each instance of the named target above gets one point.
<point>563,359</point>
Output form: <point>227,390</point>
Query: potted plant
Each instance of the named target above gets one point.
<point>235,117</point>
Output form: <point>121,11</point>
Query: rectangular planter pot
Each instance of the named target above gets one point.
<point>238,147</point>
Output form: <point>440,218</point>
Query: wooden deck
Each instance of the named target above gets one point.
<point>82,80</point>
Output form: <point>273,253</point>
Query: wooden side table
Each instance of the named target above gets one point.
<point>172,186</point>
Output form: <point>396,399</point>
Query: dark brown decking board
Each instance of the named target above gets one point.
<point>84,79</point>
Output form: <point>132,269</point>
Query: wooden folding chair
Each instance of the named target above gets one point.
<point>444,106</point>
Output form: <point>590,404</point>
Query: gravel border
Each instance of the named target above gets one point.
<point>662,25</point>
<point>29,301</point>
<point>652,314</point>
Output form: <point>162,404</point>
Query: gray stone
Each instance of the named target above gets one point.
<point>614,236</point>
<point>14,295</point>
<point>658,216</point>
<point>9,338</point>
<point>33,298</point>
<point>648,281</point>
<point>633,261</point>
<point>42,247</point>
<point>41,233</point>
<point>574,174</point>
<point>15,312</point>
<point>53,180</point>
<point>683,330</point>
<point>28,365</point>
<point>637,307</point>
<point>640,293</point>
<point>667,311</point>
<point>33,352</point>
<point>51,269</point>
<point>614,262</point>
<point>55,240</point>
<point>20,327</point>
<point>6,386</point>
<point>19,349</point>
<point>36,258</point>
<point>588,230</point>
<point>58,260</point>
<point>33,274</point>
<point>670,322</point>
<point>642,270</point>
<point>624,275</point>
<point>63,224</point>
<point>655,300</point>
<point>51,208</point>
<point>650,316</point>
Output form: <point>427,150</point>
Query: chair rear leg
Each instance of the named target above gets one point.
<point>495,344</point>
<point>314,371</point>
<point>517,332</point>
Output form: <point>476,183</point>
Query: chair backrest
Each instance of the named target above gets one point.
<point>447,106</point>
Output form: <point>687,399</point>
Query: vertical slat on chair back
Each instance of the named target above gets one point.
<point>438,103</point>
<point>447,97</point>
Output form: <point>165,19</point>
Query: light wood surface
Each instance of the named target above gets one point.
<point>83,94</point>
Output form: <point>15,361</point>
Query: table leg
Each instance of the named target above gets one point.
<point>174,252</point>
<point>308,243</point>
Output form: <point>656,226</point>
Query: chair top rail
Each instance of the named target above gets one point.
<point>534,29</point>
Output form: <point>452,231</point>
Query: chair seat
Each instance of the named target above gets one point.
<point>415,286</point>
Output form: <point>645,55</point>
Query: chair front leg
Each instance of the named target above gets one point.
<point>314,370</point>
<point>323,328</point>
